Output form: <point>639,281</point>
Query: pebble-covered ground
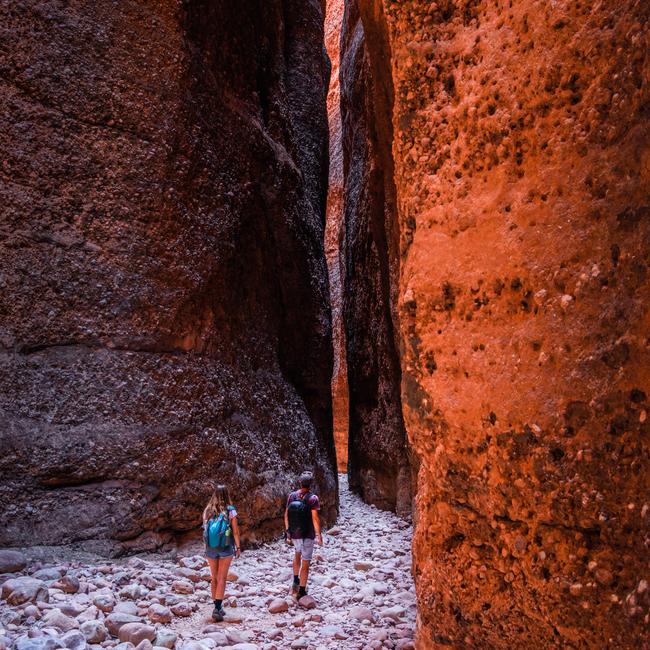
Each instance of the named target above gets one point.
<point>362,596</point>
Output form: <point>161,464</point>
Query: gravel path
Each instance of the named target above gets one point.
<point>360,583</point>
<point>360,580</point>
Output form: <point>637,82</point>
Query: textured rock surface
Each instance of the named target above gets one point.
<point>164,314</point>
<point>522,170</point>
<point>334,234</point>
<point>378,462</point>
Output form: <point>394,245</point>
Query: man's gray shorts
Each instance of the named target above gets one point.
<point>305,547</point>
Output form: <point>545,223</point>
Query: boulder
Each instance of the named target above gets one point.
<point>74,640</point>
<point>299,643</point>
<point>94,631</point>
<point>57,619</point>
<point>17,591</point>
<point>187,573</point>
<point>145,644</point>
<point>395,613</point>
<point>126,607</point>
<point>44,642</point>
<point>183,609</point>
<point>90,614</point>
<point>165,638</point>
<point>219,638</point>
<point>105,603</point>
<point>133,591</point>
<point>307,602</point>
<point>362,614</point>
<point>234,617</point>
<point>136,632</point>
<point>116,620</point>
<point>182,587</point>
<point>48,573</point>
<point>195,562</point>
<point>12,561</point>
<point>137,563</point>
<point>278,605</point>
<point>159,614</point>
<point>333,631</point>
<point>71,608</point>
<point>68,584</point>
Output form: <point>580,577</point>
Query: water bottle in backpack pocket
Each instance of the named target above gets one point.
<point>218,531</point>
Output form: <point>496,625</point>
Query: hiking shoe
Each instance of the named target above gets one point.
<point>218,615</point>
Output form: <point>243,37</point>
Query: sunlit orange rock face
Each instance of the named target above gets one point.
<point>522,172</point>
<point>334,234</point>
<point>164,318</point>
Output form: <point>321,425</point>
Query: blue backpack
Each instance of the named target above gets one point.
<point>219,532</point>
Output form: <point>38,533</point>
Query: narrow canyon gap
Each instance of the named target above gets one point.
<point>497,175</point>
<point>334,235</point>
<point>379,467</point>
<point>164,313</point>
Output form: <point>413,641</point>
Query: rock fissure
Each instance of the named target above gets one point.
<point>27,349</point>
<point>50,106</point>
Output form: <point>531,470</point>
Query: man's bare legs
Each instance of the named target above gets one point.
<point>296,573</point>
<point>296,563</point>
<point>304,573</point>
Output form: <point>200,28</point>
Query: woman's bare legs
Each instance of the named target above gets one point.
<point>214,572</point>
<point>222,574</point>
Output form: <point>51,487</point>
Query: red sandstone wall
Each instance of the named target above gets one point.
<point>522,171</point>
<point>164,314</point>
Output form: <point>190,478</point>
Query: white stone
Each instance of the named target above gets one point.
<point>94,631</point>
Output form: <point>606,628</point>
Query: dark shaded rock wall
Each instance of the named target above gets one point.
<point>378,459</point>
<point>164,314</point>
<point>522,173</point>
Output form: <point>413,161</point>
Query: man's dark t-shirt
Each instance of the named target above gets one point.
<point>314,504</point>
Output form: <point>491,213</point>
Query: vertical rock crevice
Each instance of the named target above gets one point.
<point>165,308</point>
<point>378,456</point>
<point>335,234</point>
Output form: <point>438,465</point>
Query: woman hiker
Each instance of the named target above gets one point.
<point>221,536</point>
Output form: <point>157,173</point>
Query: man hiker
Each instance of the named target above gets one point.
<point>302,527</point>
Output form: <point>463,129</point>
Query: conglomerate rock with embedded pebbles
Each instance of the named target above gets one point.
<point>521,169</point>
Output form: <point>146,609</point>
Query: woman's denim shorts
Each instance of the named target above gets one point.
<point>217,553</point>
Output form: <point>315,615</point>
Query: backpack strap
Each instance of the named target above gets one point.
<point>305,499</point>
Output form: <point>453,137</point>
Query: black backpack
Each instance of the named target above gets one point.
<point>299,513</point>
